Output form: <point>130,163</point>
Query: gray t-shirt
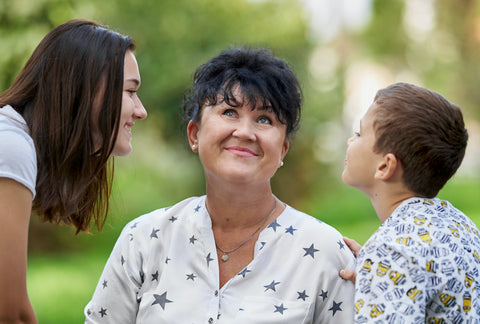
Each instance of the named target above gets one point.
<point>18,160</point>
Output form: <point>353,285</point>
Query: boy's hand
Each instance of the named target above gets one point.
<point>349,274</point>
<point>352,245</point>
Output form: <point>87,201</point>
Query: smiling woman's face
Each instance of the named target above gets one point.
<point>237,143</point>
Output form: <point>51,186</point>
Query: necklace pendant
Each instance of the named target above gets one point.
<point>224,258</point>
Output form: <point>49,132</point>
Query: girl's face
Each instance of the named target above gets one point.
<point>132,107</point>
<point>238,144</point>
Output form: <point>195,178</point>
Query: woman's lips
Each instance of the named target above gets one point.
<point>241,151</point>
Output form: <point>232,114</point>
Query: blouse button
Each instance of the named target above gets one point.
<point>216,293</point>
<point>210,320</point>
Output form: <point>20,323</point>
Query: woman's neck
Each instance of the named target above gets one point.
<point>239,208</point>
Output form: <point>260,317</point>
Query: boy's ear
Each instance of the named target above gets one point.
<point>387,167</point>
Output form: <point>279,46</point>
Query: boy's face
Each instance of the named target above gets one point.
<point>360,160</point>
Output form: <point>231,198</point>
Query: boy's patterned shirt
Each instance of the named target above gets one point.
<point>420,266</point>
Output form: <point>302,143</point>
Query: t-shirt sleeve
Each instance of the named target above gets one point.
<point>17,157</point>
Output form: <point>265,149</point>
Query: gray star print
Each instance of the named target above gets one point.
<point>154,233</point>
<point>271,285</point>
<point>310,251</point>
<point>335,307</point>
<point>280,309</point>
<point>161,300</point>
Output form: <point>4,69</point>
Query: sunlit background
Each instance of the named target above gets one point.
<point>343,51</point>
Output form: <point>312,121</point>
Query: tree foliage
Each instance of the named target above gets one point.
<point>175,36</point>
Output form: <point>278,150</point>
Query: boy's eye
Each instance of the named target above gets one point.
<point>229,112</point>
<point>357,134</point>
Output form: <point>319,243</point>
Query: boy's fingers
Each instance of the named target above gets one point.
<point>348,274</point>
<point>352,245</point>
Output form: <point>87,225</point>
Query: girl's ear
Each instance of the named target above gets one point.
<point>387,167</point>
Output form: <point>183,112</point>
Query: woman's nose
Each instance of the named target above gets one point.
<point>245,130</point>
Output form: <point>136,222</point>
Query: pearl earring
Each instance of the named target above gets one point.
<point>281,163</point>
<point>194,147</point>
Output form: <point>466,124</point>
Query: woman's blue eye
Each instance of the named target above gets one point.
<point>264,120</point>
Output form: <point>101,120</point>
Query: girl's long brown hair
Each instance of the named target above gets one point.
<point>77,66</point>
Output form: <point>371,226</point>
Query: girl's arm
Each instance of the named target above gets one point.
<point>15,210</point>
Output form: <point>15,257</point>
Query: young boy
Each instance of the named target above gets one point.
<point>421,265</point>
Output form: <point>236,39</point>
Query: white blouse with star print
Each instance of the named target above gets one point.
<point>164,269</point>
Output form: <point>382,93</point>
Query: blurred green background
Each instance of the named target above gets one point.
<point>342,50</point>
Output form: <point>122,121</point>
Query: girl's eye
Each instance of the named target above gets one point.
<point>264,120</point>
<point>132,92</point>
<point>357,134</point>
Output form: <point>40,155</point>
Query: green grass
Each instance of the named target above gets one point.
<point>61,285</point>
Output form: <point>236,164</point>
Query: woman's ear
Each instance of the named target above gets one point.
<point>285,146</point>
<point>387,167</point>
<point>192,132</point>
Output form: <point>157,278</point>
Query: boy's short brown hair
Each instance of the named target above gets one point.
<point>426,133</point>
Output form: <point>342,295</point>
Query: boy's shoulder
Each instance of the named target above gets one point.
<point>425,227</point>
<point>432,212</point>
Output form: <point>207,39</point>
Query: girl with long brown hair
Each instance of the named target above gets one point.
<point>70,108</point>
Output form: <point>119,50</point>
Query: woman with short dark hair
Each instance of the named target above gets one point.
<point>237,254</point>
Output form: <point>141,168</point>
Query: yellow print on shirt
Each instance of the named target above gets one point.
<point>358,305</point>
<point>447,300</point>
<point>431,266</point>
<point>419,220</point>
<point>405,241</point>
<point>383,267</point>
<point>367,266</point>
<point>468,280</point>
<point>377,310</point>
<point>427,202</point>
<point>397,278</point>
<point>435,320</point>
<point>424,235</point>
<point>476,256</point>
<point>414,293</point>
<point>467,301</point>
<point>454,231</point>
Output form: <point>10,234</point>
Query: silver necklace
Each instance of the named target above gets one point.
<point>225,253</point>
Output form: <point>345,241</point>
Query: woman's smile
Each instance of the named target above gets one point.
<point>241,151</point>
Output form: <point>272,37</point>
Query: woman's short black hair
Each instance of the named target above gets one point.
<point>259,75</point>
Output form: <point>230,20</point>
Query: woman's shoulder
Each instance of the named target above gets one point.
<point>309,223</point>
<point>313,235</point>
<point>304,229</point>
<point>169,214</point>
